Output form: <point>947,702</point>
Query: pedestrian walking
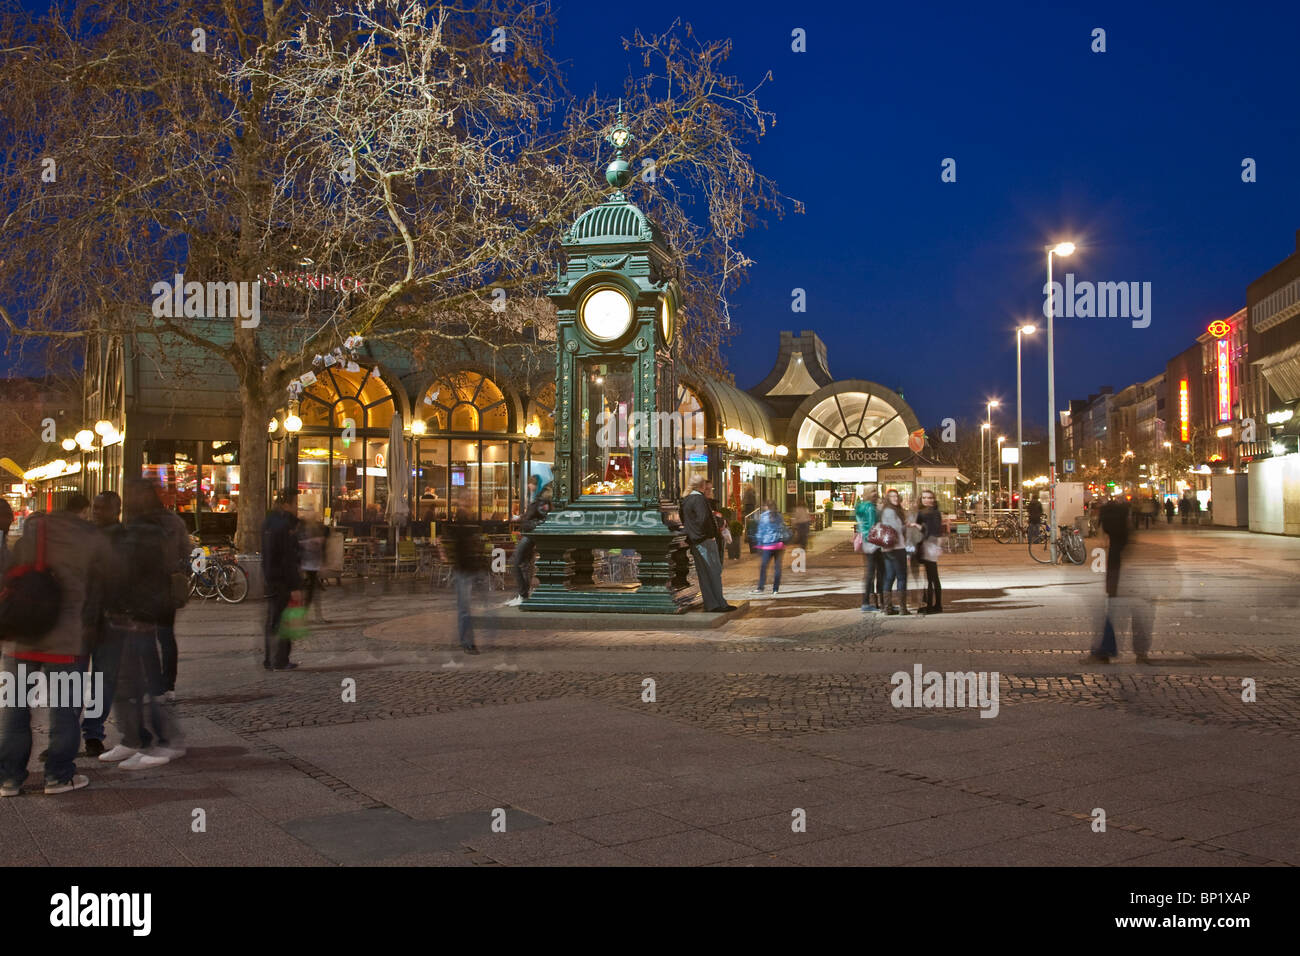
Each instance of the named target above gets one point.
<point>136,608</point>
<point>1035,514</point>
<point>1115,522</point>
<point>311,548</point>
<point>467,555</point>
<point>522,559</point>
<point>702,536</point>
<point>771,537</point>
<point>928,550</point>
<point>748,500</point>
<point>865,515</point>
<point>894,517</point>
<point>77,556</point>
<point>282,572</point>
<point>1169,511</point>
<point>106,654</point>
<point>802,521</point>
<point>177,550</point>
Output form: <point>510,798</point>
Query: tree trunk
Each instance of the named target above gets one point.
<point>253,503</point>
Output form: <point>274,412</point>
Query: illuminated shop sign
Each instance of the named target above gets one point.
<point>1219,328</point>
<point>1183,405</point>
<point>1225,382</point>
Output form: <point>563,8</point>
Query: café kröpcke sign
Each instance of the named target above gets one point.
<point>855,456</point>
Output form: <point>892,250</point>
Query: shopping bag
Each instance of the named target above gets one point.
<point>293,622</point>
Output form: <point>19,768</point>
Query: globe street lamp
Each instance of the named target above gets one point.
<point>531,431</point>
<point>1021,332</point>
<point>1060,249</point>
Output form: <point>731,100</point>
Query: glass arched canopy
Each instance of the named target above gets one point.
<point>465,401</point>
<point>853,420</point>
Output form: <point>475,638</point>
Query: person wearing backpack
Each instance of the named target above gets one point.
<point>137,609</point>
<point>64,548</point>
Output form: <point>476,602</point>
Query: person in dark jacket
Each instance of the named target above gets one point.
<point>1114,517</point>
<point>282,572</point>
<point>702,536</point>
<point>931,522</point>
<point>1169,511</point>
<point>521,560</point>
<point>1034,512</point>
<point>136,610</point>
<point>893,515</point>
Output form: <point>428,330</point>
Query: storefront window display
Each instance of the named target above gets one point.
<point>198,480</point>
<point>693,429</point>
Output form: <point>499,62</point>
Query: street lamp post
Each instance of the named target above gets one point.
<point>983,429</point>
<point>998,466</point>
<point>1020,437</point>
<point>988,475</point>
<point>1060,249</point>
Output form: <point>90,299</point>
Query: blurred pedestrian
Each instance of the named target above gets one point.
<point>894,517</point>
<point>1115,523</point>
<point>702,536</point>
<point>526,549</point>
<point>106,654</point>
<point>1035,515</point>
<point>1169,511</point>
<point>929,549</point>
<point>865,515</point>
<point>78,556</point>
<point>771,537</point>
<point>311,549</point>
<point>177,550</point>
<point>137,608</point>
<point>467,555</point>
<point>282,572</point>
<point>801,518</point>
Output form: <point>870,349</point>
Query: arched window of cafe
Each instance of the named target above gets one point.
<point>465,401</point>
<point>338,395</point>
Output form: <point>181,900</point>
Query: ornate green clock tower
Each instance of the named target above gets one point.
<point>618,441</point>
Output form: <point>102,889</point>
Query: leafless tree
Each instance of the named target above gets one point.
<point>430,150</point>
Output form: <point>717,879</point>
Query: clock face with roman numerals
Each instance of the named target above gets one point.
<point>606,313</point>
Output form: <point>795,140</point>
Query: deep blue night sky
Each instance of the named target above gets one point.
<point>1134,153</point>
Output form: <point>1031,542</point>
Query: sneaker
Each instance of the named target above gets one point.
<point>10,789</point>
<point>515,601</point>
<point>143,761</point>
<point>120,752</point>
<point>452,665</point>
<point>171,753</point>
<point>76,783</point>
<point>170,697</point>
<point>512,668</point>
<point>891,610</point>
<point>94,748</point>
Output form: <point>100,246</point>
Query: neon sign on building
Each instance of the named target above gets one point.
<point>1184,403</point>
<point>1225,381</point>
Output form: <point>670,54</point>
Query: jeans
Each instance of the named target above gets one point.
<point>141,676</point>
<point>896,570</point>
<point>873,563</point>
<point>708,571</point>
<point>464,581</point>
<point>522,563</point>
<point>106,659</point>
<point>16,730</point>
<point>276,647</point>
<point>768,555</point>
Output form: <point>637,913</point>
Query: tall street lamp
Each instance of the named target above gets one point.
<point>998,467</point>
<point>983,430</point>
<point>1060,249</point>
<point>1020,437</point>
<point>991,404</point>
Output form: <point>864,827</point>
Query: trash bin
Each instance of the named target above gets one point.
<point>252,565</point>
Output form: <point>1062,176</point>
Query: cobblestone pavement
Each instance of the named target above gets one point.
<point>788,705</point>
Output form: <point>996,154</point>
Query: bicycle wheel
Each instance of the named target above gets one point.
<point>1074,549</point>
<point>205,582</point>
<point>232,584</point>
<point>1004,532</point>
<point>979,528</point>
<point>1039,545</point>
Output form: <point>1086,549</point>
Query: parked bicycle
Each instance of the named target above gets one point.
<point>1069,544</point>
<point>218,575</point>
<point>1009,528</point>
